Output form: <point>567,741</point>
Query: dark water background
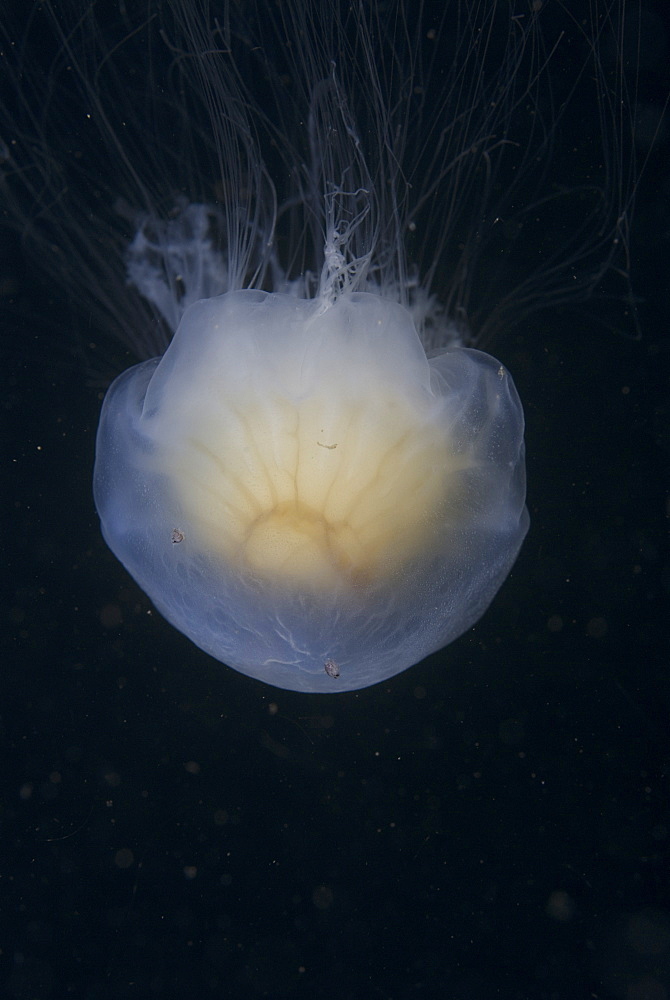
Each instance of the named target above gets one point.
<point>493,823</point>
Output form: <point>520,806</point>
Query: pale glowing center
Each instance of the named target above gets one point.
<point>311,494</point>
<point>302,445</point>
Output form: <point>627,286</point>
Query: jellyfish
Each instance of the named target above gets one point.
<point>314,470</point>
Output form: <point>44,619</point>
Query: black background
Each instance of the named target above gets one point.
<point>491,823</point>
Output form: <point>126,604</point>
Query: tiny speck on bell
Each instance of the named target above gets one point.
<point>331,668</point>
<point>177,536</point>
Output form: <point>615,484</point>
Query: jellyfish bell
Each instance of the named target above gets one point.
<point>314,479</point>
<point>340,497</point>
